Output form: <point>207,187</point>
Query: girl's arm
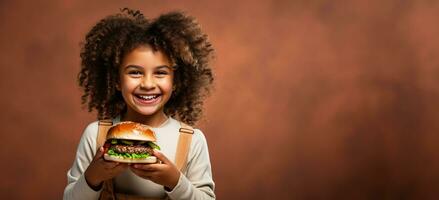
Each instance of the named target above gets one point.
<point>77,187</point>
<point>197,182</point>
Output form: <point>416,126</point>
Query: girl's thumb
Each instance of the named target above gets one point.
<point>99,153</point>
<point>161,157</point>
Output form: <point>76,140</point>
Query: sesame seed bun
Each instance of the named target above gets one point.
<point>131,131</point>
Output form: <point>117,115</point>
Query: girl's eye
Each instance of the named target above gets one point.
<point>161,72</point>
<point>135,73</point>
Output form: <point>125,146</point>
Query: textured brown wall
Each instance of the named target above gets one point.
<point>313,99</point>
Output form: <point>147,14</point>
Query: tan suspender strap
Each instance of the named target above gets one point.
<point>107,192</point>
<point>103,127</point>
<point>184,143</point>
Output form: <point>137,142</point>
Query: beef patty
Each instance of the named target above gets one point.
<point>131,149</point>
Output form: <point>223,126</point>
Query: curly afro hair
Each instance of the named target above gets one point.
<point>179,36</point>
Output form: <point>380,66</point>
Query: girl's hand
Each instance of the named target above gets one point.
<point>100,170</point>
<point>165,173</point>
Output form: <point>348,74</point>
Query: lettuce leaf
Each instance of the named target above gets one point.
<point>128,155</point>
<point>153,145</point>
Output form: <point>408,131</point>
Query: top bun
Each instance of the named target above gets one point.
<point>131,131</point>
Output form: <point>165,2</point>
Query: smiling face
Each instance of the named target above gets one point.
<point>146,79</point>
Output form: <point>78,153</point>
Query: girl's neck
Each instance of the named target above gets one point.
<point>151,120</point>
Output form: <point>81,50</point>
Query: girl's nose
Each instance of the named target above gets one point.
<point>148,82</point>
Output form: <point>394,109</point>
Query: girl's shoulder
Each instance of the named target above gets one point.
<point>90,134</point>
<point>198,134</point>
<point>198,142</point>
<point>91,130</point>
<point>88,138</point>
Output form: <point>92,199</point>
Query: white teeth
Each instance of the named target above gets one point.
<point>148,97</point>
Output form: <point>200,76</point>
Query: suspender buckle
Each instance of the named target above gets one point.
<point>186,130</point>
<point>105,122</point>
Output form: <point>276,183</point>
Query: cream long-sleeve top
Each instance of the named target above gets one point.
<point>195,183</point>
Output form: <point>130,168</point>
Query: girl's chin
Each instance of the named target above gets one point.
<point>147,111</point>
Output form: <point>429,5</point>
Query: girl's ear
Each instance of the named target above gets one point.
<point>118,86</point>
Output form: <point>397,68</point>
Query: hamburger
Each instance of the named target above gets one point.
<point>130,142</point>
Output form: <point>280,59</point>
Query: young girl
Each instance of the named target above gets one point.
<point>151,72</point>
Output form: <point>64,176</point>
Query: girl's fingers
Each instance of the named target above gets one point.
<point>145,167</point>
<point>120,167</point>
<point>161,157</point>
<point>109,164</point>
<point>99,153</point>
<point>154,166</point>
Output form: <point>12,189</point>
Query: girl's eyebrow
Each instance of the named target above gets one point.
<point>133,66</point>
<point>163,66</point>
<point>140,67</point>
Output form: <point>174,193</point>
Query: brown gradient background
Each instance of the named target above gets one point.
<point>313,99</point>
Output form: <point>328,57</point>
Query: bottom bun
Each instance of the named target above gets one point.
<point>150,159</point>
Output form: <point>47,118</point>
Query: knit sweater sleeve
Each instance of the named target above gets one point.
<point>77,188</point>
<point>197,182</point>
